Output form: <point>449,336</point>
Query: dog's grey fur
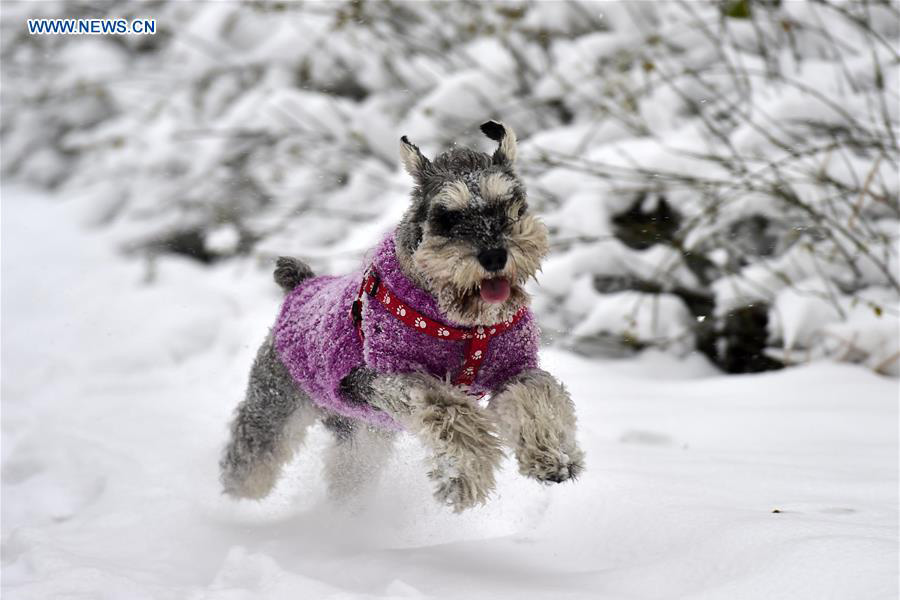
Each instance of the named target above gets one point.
<point>268,425</point>
<point>465,204</point>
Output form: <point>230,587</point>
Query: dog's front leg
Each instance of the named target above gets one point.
<point>461,437</point>
<point>536,416</point>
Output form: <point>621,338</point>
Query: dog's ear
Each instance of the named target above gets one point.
<point>506,151</point>
<point>413,160</point>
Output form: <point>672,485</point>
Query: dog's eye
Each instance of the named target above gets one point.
<point>442,220</point>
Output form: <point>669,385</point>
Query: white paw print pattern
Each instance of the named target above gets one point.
<point>493,330</point>
<point>480,334</point>
<point>420,323</point>
<point>477,355</point>
<point>469,371</point>
<point>401,311</point>
<point>442,332</point>
<point>386,298</point>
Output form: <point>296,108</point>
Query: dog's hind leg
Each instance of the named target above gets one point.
<point>462,439</point>
<point>268,425</point>
<point>354,462</point>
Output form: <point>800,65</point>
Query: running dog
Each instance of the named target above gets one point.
<point>433,320</point>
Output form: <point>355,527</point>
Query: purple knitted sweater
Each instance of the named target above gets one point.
<point>318,342</point>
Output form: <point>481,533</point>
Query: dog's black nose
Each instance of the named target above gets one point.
<point>493,259</point>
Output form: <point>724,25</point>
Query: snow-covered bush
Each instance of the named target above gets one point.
<point>717,176</point>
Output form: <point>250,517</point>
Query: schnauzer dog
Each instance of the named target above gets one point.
<point>435,319</point>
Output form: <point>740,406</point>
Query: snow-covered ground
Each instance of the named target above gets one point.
<point>118,378</point>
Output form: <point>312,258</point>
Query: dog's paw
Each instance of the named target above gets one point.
<point>550,465</point>
<point>466,450</point>
<point>460,492</point>
<point>250,483</point>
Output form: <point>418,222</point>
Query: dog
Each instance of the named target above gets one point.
<point>435,319</point>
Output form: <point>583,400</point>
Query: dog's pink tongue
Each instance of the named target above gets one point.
<point>495,290</point>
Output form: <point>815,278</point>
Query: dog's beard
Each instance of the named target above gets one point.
<point>450,270</point>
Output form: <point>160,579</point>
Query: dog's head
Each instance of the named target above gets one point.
<point>469,237</point>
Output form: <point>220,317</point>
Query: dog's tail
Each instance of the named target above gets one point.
<point>289,272</point>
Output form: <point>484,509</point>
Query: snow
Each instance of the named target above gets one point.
<point>650,317</point>
<point>803,310</point>
<point>118,377</point>
<point>223,239</point>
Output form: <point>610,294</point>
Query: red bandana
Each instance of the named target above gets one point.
<point>478,337</point>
